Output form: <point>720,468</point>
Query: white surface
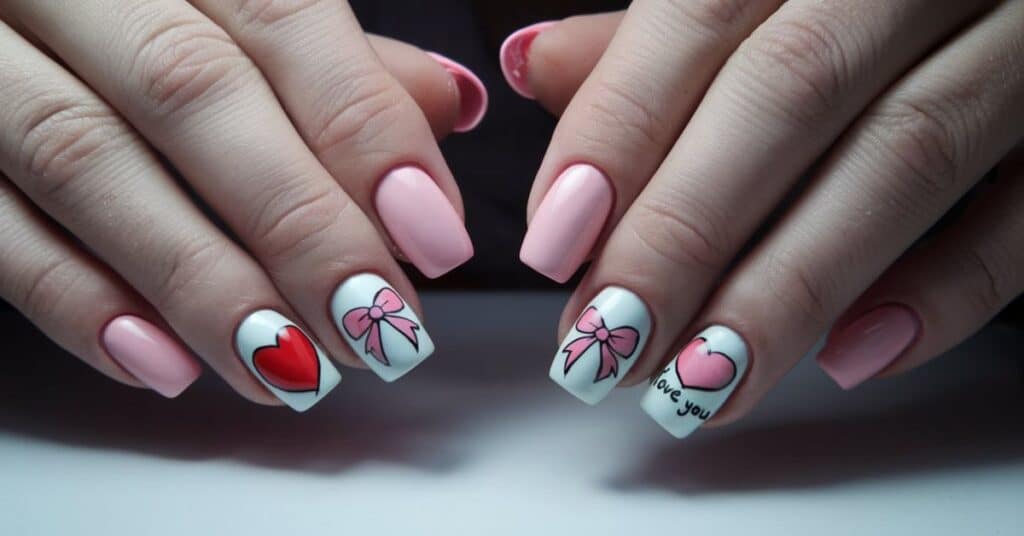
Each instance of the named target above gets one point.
<point>479,441</point>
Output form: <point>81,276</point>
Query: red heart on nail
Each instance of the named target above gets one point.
<point>699,369</point>
<point>292,365</point>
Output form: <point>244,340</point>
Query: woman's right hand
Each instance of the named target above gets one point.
<point>314,144</point>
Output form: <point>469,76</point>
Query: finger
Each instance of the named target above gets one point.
<point>451,96</point>
<point>76,159</point>
<point>623,120</point>
<point>182,82</point>
<point>745,149</point>
<point>82,306</point>
<point>365,129</point>
<point>549,61</point>
<point>906,161</point>
<point>944,291</point>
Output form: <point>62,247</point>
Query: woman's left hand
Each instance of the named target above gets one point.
<point>686,143</point>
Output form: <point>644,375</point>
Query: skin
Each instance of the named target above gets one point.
<point>282,141</point>
<point>706,115</point>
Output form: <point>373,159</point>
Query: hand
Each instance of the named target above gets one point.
<point>308,139</point>
<point>686,130</point>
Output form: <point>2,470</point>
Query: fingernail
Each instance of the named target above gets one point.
<point>380,326</point>
<point>603,344</point>
<point>856,352</point>
<point>150,355</point>
<point>472,93</point>
<point>515,52</point>
<point>567,222</point>
<point>285,359</point>
<point>422,222</point>
<point>700,379</point>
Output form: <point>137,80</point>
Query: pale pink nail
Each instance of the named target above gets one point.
<point>515,52</point>
<point>861,349</point>
<point>568,222</point>
<point>150,355</point>
<point>472,93</point>
<point>422,222</point>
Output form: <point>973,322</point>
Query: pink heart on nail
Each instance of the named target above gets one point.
<point>699,369</point>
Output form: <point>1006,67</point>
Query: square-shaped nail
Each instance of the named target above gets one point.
<point>422,222</point>
<point>568,222</point>
<point>380,326</point>
<point>603,344</point>
<point>697,382</point>
<point>285,359</point>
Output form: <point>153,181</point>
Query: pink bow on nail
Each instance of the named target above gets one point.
<point>361,320</point>
<point>615,343</point>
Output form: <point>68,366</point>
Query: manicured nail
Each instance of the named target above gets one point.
<point>422,222</point>
<point>604,343</point>
<point>379,326</point>
<point>515,52</point>
<point>697,382</point>
<point>856,352</point>
<point>472,93</point>
<point>150,355</point>
<point>567,222</point>
<point>285,359</point>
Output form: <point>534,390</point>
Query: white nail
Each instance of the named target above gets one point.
<point>697,382</point>
<point>285,359</point>
<point>380,326</point>
<point>603,344</point>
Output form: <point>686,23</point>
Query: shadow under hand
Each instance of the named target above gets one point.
<point>911,424</point>
<point>49,395</point>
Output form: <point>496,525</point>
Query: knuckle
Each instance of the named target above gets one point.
<point>186,60</point>
<point>271,12</point>
<point>711,16</point>
<point>922,138</point>
<point>364,108</point>
<point>802,60</point>
<point>298,219</point>
<point>801,290</point>
<point>62,138</point>
<point>679,240</point>
<point>618,109</point>
<point>186,270</point>
<point>997,283</point>
<point>46,288</point>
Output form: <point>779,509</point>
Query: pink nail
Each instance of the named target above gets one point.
<point>150,355</point>
<point>472,93</point>
<point>568,222</point>
<point>422,222</point>
<point>514,54</point>
<point>861,349</point>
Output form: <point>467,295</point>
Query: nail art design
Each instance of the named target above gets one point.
<point>366,311</point>
<point>697,382</point>
<point>363,320</point>
<point>594,357</point>
<point>856,352</point>
<point>285,359</point>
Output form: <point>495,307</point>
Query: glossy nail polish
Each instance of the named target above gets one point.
<point>422,222</point>
<point>472,93</point>
<point>150,355</point>
<point>857,351</point>
<point>514,56</point>
<point>379,326</point>
<point>285,359</point>
<point>568,222</point>
<point>605,341</point>
<point>697,382</point>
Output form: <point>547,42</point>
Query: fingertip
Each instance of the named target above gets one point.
<point>472,94</point>
<point>514,57</point>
